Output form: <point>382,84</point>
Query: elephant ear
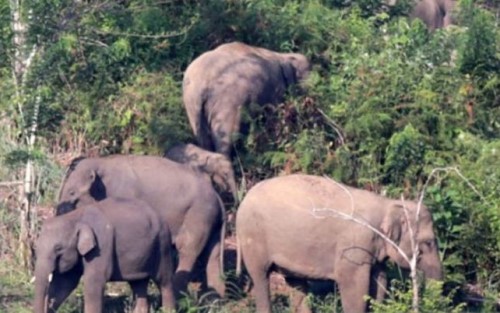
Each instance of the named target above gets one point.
<point>393,224</point>
<point>288,72</point>
<point>86,239</point>
<point>94,230</point>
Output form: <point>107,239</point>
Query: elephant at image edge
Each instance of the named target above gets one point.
<point>110,240</point>
<point>216,165</point>
<point>183,198</point>
<point>220,82</point>
<point>314,243</point>
<point>434,13</point>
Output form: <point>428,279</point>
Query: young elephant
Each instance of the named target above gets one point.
<point>289,223</point>
<point>219,83</point>
<point>216,165</point>
<point>110,240</point>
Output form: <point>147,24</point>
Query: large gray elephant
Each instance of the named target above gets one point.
<point>183,198</point>
<point>314,242</point>
<point>110,240</point>
<point>434,13</point>
<point>219,83</point>
<point>216,165</point>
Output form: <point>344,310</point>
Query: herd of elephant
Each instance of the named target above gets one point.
<point>141,218</point>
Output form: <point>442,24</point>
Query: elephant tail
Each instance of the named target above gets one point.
<point>222,234</point>
<point>194,102</point>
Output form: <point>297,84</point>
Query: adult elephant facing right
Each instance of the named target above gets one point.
<point>290,223</point>
<point>220,82</point>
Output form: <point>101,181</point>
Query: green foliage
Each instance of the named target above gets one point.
<point>405,155</point>
<point>432,300</point>
<point>387,102</point>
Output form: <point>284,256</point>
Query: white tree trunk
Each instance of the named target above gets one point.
<point>21,65</point>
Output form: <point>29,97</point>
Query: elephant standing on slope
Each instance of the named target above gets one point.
<point>313,242</point>
<point>219,83</point>
<point>434,13</point>
<point>110,240</point>
<point>216,165</point>
<point>183,198</point>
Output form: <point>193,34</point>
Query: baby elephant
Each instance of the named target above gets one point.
<point>110,240</point>
<point>216,165</point>
<point>295,224</point>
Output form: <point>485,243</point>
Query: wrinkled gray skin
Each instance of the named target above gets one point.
<point>434,13</point>
<point>111,240</point>
<point>220,82</point>
<point>319,245</point>
<point>182,197</point>
<point>216,165</point>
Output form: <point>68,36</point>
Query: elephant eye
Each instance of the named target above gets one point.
<point>58,248</point>
<point>428,244</point>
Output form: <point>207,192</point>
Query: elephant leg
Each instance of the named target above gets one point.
<point>189,243</point>
<point>167,297</point>
<point>93,293</point>
<point>224,122</point>
<point>354,285</point>
<point>163,281</point>
<point>378,282</point>
<point>258,268</point>
<point>140,292</point>
<point>299,295</point>
<point>261,291</point>
<point>214,274</point>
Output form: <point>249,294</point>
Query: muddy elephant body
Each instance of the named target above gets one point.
<point>216,165</point>
<point>313,242</point>
<point>184,199</point>
<point>434,13</point>
<point>110,240</point>
<point>219,83</point>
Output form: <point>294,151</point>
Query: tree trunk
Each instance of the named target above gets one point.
<point>21,65</point>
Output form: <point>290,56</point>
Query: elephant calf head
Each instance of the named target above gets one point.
<point>82,185</point>
<point>59,248</point>
<point>216,165</point>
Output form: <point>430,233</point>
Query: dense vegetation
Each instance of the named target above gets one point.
<point>389,107</point>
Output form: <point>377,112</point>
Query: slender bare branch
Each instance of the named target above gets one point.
<point>316,211</point>
<point>333,125</point>
<point>11,183</point>
<point>346,190</point>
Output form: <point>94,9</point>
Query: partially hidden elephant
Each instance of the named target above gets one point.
<point>434,13</point>
<point>110,240</point>
<point>219,83</point>
<point>183,198</point>
<point>291,224</point>
<point>216,165</point>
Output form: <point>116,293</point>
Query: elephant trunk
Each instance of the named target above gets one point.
<point>431,266</point>
<point>43,276</point>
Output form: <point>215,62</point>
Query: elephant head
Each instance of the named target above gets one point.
<point>216,165</point>
<point>62,243</point>
<point>82,185</point>
<point>295,68</point>
<point>400,224</point>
